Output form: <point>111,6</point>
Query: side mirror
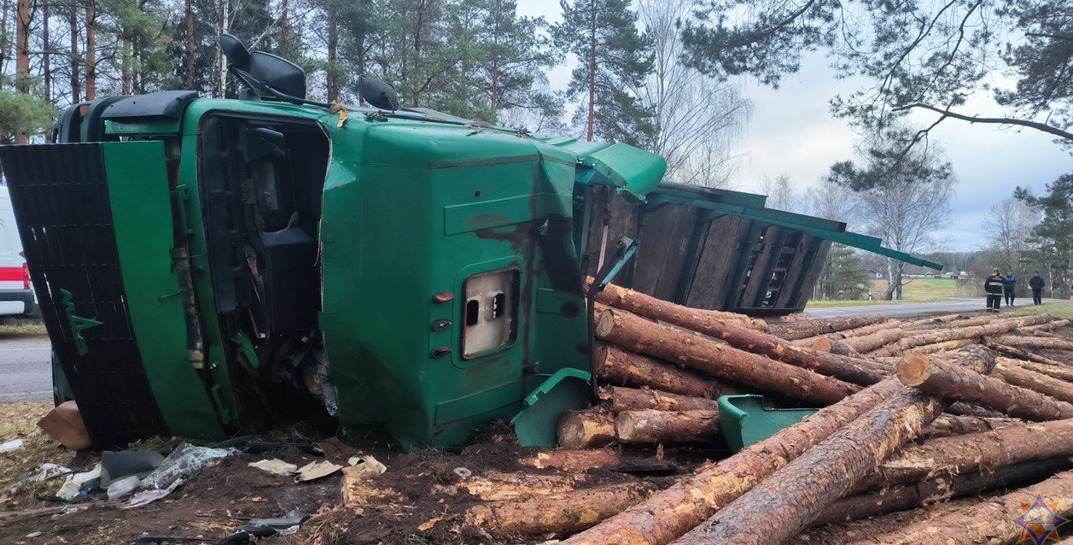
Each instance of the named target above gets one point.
<point>236,53</point>
<point>278,73</point>
<point>378,93</point>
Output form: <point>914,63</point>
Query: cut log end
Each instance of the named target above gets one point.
<point>914,369</point>
<point>605,323</point>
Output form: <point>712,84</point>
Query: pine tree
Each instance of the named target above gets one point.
<point>614,61</point>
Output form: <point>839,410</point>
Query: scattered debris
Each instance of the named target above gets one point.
<point>275,466</point>
<point>64,425</point>
<point>316,470</point>
<point>183,462</point>
<point>363,467</point>
<point>48,471</point>
<point>11,445</point>
<point>123,487</point>
<point>80,483</point>
<point>462,472</point>
<point>117,465</point>
<point>285,525</point>
<point>145,497</point>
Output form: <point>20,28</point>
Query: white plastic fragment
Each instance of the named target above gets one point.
<point>75,484</point>
<point>184,461</point>
<point>275,466</point>
<point>121,488</point>
<point>11,445</point>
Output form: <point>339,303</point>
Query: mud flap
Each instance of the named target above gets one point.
<point>537,424</point>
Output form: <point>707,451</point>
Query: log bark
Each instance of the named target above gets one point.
<point>936,377</point>
<point>650,427</point>
<point>1021,354</point>
<point>954,333</point>
<point>1037,343</point>
<point>586,429</point>
<point>867,330</point>
<point>1010,373</point>
<point>798,493</point>
<point>718,359</point>
<point>1061,373</point>
<point>811,328</point>
<point>574,459</point>
<point>857,371</point>
<point>984,522</point>
<point>499,486</point>
<point>672,512</point>
<point>952,424</point>
<point>844,533</point>
<point>617,366</point>
<point>558,514</point>
<point>945,346</point>
<point>634,399</point>
<point>982,451</point>
<point>908,496</point>
<point>1049,326</point>
<point>968,409</point>
<point>666,311</point>
<point>868,343</point>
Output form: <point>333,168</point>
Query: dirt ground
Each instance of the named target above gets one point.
<point>418,500</point>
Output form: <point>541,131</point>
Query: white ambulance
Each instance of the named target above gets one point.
<point>16,295</point>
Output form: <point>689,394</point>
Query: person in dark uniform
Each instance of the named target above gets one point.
<point>1036,283</point>
<point>1009,287</point>
<point>993,288</point>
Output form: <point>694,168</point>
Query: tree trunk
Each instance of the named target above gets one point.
<point>590,122</point>
<point>1058,372</point>
<point>332,81</point>
<point>500,486</point>
<point>879,339</point>
<point>650,427</point>
<point>810,328</point>
<point>73,57</point>
<point>574,459</point>
<point>617,366</point>
<point>1037,343</point>
<point>124,66</point>
<point>665,311</point>
<point>91,50</point>
<point>936,377</point>
<point>981,451</point>
<point>672,512</point>
<point>189,46</point>
<point>634,399</point>
<point>984,522</point>
<point>1022,354</point>
<point>798,493</point>
<point>951,424</point>
<point>954,333</point>
<point>46,53</point>
<point>586,429</point>
<point>22,57</point>
<point>1009,372</point>
<point>908,496</point>
<point>559,514</point>
<point>844,533</point>
<point>5,38</point>
<point>718,359</point>
<point>945,346</point>
<point>866,330</point>
<point>1049,326</point>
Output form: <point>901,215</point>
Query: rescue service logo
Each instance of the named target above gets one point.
<point>1039,523</point>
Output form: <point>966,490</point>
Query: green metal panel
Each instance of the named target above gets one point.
<point>141,209</point>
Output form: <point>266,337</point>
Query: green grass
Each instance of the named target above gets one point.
<point>22,329</point>
<point>1063,310</point>
<point>915,290</point>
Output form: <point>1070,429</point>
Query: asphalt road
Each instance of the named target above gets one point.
<point>912,309</point>
<point>25,370</point>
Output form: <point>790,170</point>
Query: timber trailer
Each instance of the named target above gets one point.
<point>206,267</point>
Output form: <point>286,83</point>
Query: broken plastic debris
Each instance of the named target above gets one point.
<point>11,445</point>
<point>49,470</point>
<point>363,467</point>
<point>79,483</point>
<point>283,525</point>
<point>275,466</point>
<point>116,465</point>
<point>145,497</point>
<point>121,488</point>
<point>183,462</point>
<point>316,470</point>
<point>463,472</point>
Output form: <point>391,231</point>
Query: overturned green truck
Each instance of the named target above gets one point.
<point>206,267</point>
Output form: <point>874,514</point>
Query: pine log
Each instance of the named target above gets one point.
<point>666,311</point>
<point>649,427</point>
<point>574,459</point>
<point>672,512</point>
<point>867,330</point>
<point>717,358</point>
<point>500,486</point>
<point>961,408</point>
<point>868,343</point>
<point>617,366</point>
<point>798,493</point>
<point>908,496</point>
<point>1022,354</point>
<point>1049,326</point>
<point>1058,372</point>
<point>950,334</point>
<point>559,514</point>
<point>811,328</point>
<point>846,532</point>
<point>931,375</point>
<point>935,321</point>
<point>981,451</point>
<point>854,370</point>
<point>1009,372</point>
<point>984,522</point>
<point>952,424</point>
<point>634,399</point>
<point>586,429</point>
<point>1037,343</point>
<point>945,346</point>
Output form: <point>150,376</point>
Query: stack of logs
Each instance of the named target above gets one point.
<point>913,414</point>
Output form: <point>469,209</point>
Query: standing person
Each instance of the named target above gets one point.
<point>1009,287</point>
<point>1036,283</point>
<point>993,288</point>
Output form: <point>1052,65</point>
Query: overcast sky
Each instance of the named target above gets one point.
<point>792,132</point>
